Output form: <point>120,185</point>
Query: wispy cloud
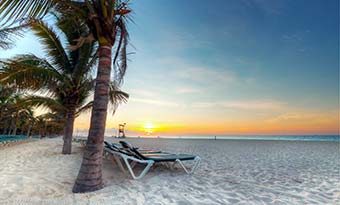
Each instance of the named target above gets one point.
<point>155,102</point>
<point>144,93</point>
<point>269,105</point>
<point>196,76</point>
<point>307,116</point>
<point>186,90</point>
<point>204,74</point>
<point>183,40</point>
<point>184,76</point>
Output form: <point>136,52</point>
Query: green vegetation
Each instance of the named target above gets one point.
<point>104,23</point>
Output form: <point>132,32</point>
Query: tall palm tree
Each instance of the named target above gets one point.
<point>106,21</point>
<point>67,78</point>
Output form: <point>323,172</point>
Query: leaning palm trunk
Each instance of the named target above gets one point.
<point>90,174</point>
<point>67,147</point>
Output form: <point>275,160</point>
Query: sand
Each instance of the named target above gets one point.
<point>231,172</point>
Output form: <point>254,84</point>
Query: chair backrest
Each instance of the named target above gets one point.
<point>108,145</point>
<point>125,151</point>
<point>126,144</point>
<point>132,149</point>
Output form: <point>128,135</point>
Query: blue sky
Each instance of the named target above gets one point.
<point>288,45</point>
<point>236,64</point>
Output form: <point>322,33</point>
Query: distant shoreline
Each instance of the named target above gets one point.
<point>328,138</point>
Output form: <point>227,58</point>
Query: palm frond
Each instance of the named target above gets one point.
<point>85,108</point>
<point>9,34</point>
<point>29,72</point>
<point>120,57</point>
<point>83,59</point>
<point>116,96</point>
<point>13,10</point>
<point>94,59</point>
<point>41,101</point>
<point>78,9</point>
<point>52,44</point>
<point>85,89</point>
<point>51,118</point>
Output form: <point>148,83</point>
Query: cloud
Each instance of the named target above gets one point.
<point>307,116</point>
<point>191,77</point>
<point>263,105</point>
<point>155,102</point>
<point>205,74</point>
<point>182,40</point>
<point>186,90</point>
<point>145,93</point>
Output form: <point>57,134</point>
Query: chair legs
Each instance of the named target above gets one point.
<point>145,170</point>
<point>197,161</point>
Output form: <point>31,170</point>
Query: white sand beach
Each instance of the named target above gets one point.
<point>231,172</point>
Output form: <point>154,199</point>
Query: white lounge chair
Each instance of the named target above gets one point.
<point>131,156</point>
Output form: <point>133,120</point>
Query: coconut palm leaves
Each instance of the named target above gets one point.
<point>7,36</point>
<point>64,76</point>
<point>13,116</point>
<point>105,22</point>
<point>14,10</point>
<point>116,96</point>
<point>52,46</point>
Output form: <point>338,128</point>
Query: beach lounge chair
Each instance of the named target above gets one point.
<point>131,155</point>
<point>124,145</point>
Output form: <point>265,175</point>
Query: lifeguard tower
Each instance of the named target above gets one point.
<point>121,133</point>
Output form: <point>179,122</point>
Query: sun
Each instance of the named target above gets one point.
<point>149,127</point>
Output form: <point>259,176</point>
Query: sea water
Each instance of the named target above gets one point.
<point>335,138</point>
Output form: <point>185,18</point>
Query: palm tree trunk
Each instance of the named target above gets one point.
<point>14,130</point>
<point>67,147</point>
<point>90,173</point>
<point>29,131</point>
<point>11,128</point>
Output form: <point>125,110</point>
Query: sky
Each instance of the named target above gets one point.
<point>227,67</point>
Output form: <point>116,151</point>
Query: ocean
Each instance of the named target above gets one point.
<point>335,138</point>
<point>255,137</point>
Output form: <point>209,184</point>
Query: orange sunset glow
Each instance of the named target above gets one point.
<point>251,123</point>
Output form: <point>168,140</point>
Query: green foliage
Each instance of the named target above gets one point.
<point>7,36</point>
<point>64,76</point>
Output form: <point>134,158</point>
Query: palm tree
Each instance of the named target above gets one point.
<point>67,78</point>
<point>65,74</point>
<point>28,122</point>
<point>8,98</point>
<point>14,115</point>
<point>106,21</point>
